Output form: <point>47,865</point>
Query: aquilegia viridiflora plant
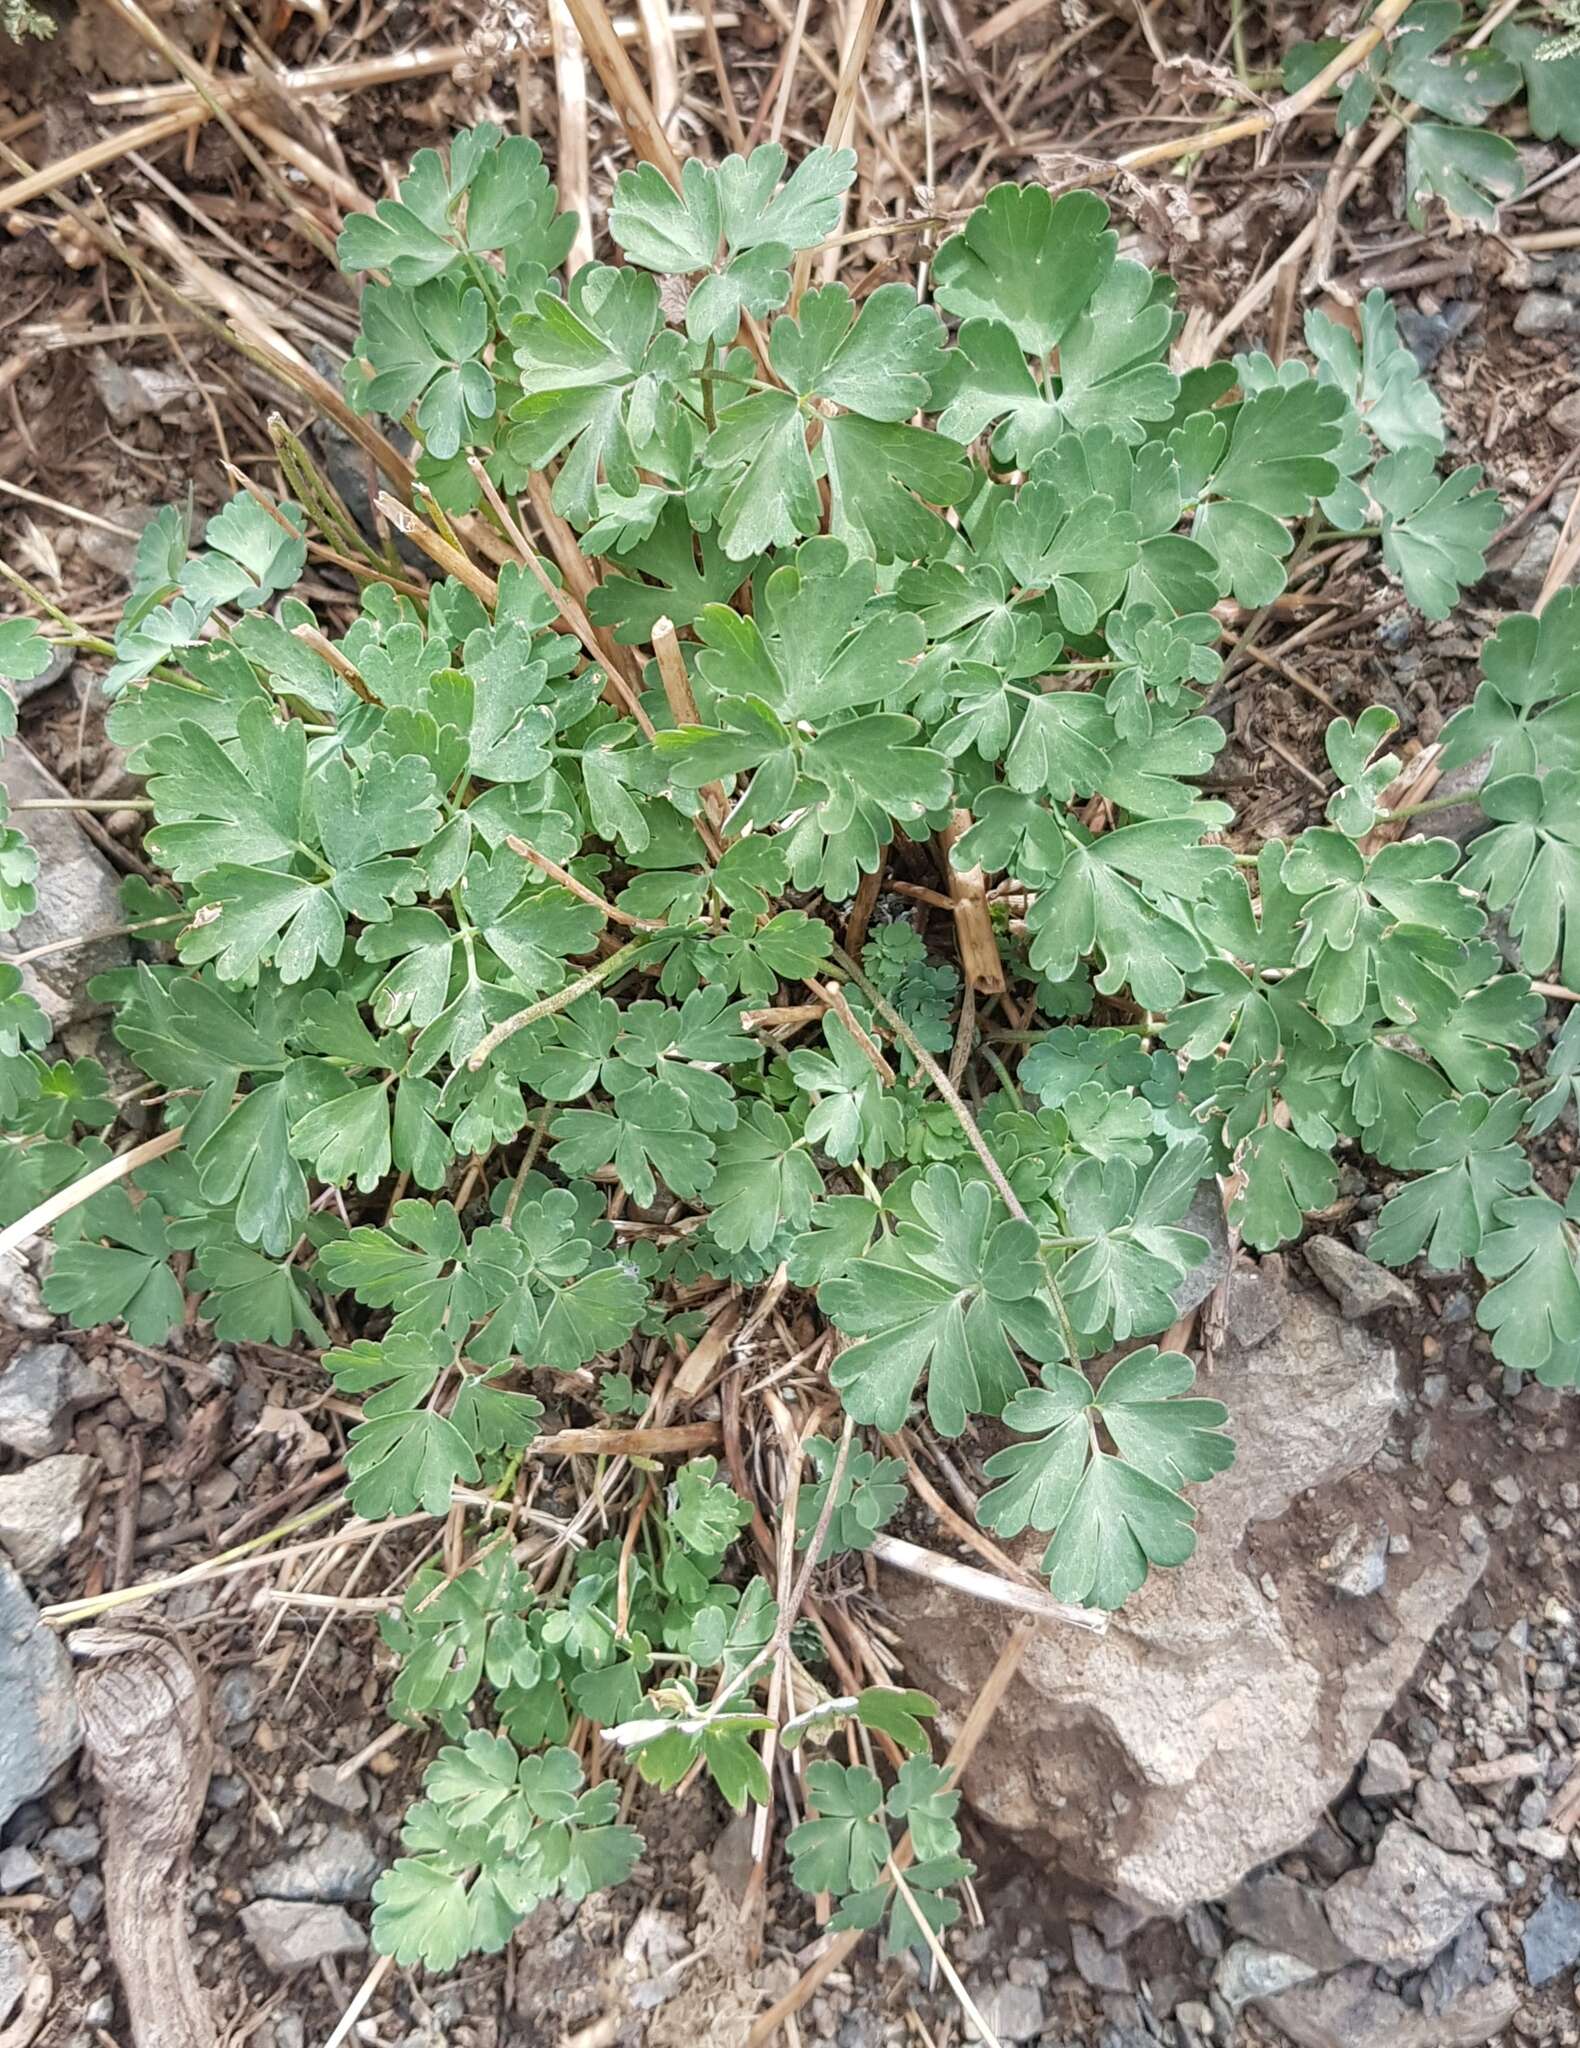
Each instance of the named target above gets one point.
<point>511,1009</point>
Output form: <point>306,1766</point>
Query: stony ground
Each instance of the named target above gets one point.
<point>1382,1634</point>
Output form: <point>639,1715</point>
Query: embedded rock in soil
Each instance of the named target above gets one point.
<point>1206,1731</point>
<point>41,1510</point>
<point>1410,1902</point>
<point>340,1868</point>
<point>289,1934</point>
<point>78,894</point>
<point>40,1728</point>
<point>1552,1936</point>
<point>1206,1218</point>
<point>40,1391</point>
<point>1352,2011</point>
<point>1359,1285</point>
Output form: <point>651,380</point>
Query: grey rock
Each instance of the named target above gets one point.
<point>40,1391</point>
<point>1565,417</point>
<point>1387,1773</point>
<point>340,1868</point>
<point>19,1869</point>
<point>1351,2011</point>
<point>1520,580</point>
<point>74,1845</point>
<point>1547,313</point>
<point>1426,335</point>
<point>1440,1817</point>
<point>235,1696</point>
<point>1116,1921</point>
<point>21,1304</point>
<point>290,2031</point>
<point>41,1510</point>
<point>86,1898</point>
<point>346,1795</point>
<point>1103,1968</point>
<point>1195,2018</point>
<point>1205,1218</point>
<point>40,1728</point>
<point>130,392</point>
<point>1203,1932</point>
<point>289,1934</point>
<point>16,1966</point>
<point>1410,1901</point>
<point>1454,1972</point>
<point>1359,1285</point>
<point>1551,1940</point>
<point>1258,1297</point>
<point>1357,1564</point>
<point>1226,1723</point>
<point>81,894</point>
<point>1014,2012</point>
<point>1248,1972</point>
<point>1281,1913</point>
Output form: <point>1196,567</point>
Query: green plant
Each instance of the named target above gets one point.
<point>1455,158</point>
<point>491,907</point>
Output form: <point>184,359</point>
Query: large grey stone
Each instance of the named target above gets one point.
<point>1351,2011</point>
<point>339,1868</point>
<point>288,1934</point>
<point>1205,1218</point>
<point>40,1727</point>
<point>1410,1901</point>
<point>78,893</point>
<point>1552,1936</point>
<point>1205,1732</point>
<point>1358,1284</point>
<point>1281,1913</point>
<point>41,1510</point>
<point>40,1391</point>
<point>1248,1972</point>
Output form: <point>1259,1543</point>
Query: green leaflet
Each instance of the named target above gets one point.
<point>1112,1515</point>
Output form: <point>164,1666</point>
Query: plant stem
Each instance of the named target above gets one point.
<point>617,963</point>
<point>84,803</point>
<point>1428,805</point>
<point>111,931</point>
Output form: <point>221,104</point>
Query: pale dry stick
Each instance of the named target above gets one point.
<point>721,77</point>
<point>627,95</point>
<point>787,69</point>
<point>347,196</point>
<point>359,2004</point>
<point>577,571</point>
<point>579,889</point>
<point>964,1747</point>
<point>572,614</point>
<point>1004,19</point>
<point>113,931</point>
<point>878,137</point>
<point>940,1956</point>
<point>835,997</point>
<point>617,963</point>
<point>226,1564</point>
<point>683,709</point>
<point>1565,556</point>
<point>250,333</point>
<point>861,22</point>
<point>963,1530</point>
<point>974,935</point>
<point>50,177</point>
<point>1548,238</point>
<point>1387,135</point>
<point>707,1354</point>
<point>918,1563</point>
<point>658,31</point>
<point>204,86</point>
<point>1356,51</point>
<point>66,511</point>
<point>571,165</point>
<point>50,1210</point>
<point>438,550</point>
